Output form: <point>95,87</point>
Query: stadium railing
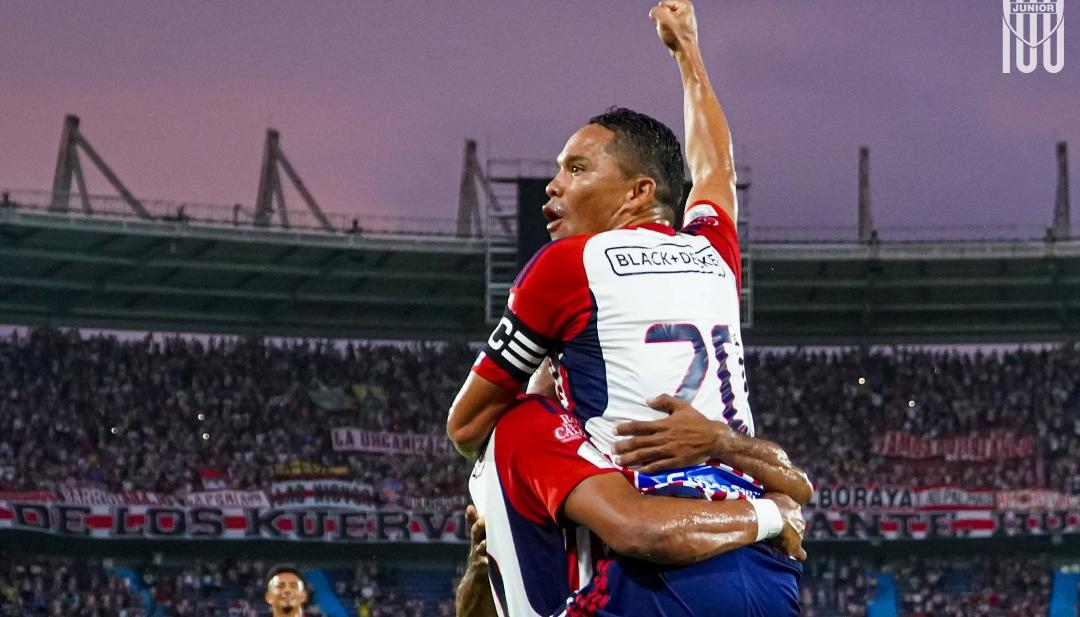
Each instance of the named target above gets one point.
<point>236,215</point>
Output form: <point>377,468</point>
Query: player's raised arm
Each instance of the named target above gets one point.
<point>708,139</point>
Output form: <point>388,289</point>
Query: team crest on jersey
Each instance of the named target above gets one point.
<point>588,452</point>
<point>570,430</point>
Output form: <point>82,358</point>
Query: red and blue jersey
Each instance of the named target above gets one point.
<point>541,564</point>
<point>535,457</point>
<point>628,314</point>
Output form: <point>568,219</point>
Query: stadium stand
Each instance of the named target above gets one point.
<point>61,587</point>
<point>264,404</point>
<point>833,586</point>
<point>66,586</point>
<point>106,406</point>
<point>974,588</point>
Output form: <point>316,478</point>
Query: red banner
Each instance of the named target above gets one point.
<point>990,446</point>
<point>91,496</point>
<point>1036,499</point>
<point>359,440</point>
<point>227,499</point>
<point>322,493</point>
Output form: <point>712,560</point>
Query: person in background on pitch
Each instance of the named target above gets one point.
<point>286,592</point>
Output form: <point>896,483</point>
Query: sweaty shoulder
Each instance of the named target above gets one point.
<point>704,218</point>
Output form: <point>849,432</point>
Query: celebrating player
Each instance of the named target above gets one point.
<point>286,592</point>
<point>624,307</point>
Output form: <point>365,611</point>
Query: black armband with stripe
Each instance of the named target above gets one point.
<point>516,348</point>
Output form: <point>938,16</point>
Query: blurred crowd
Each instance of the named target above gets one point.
<point>84,587</point>
<point>54,587</point>
<point>1002,587</point>
<point>826,408</point>
<point>149,413</point>
<point>930,586</point>
<point>836,587</point>
<point>832,586</point>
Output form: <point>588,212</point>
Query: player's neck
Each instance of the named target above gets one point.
<point>639,221</point>
<point>651,216</point>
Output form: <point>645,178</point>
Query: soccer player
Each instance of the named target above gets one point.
<point>621,305</point>
<point>661,557</point>
<point>286,592</point>
<point>625,307</point>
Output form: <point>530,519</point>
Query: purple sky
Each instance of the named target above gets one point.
<point>374,99</point>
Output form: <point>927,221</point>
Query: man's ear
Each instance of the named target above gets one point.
<point>268,599</point>
<point>642,194</point>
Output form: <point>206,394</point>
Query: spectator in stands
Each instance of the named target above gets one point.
<point>985,587</point>
<point>132,414</point>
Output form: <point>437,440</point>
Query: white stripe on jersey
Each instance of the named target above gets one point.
<point>520,337</point>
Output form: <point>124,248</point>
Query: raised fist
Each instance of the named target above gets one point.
<point>675,24</point>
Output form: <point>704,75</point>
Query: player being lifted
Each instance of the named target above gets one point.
<point>625,307</point>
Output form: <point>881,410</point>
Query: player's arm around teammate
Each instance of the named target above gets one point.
<point>686,438</point>
<point>473,597</point>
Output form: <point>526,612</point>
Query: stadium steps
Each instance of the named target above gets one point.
<point>884,603</point>
<point>1063,594</point>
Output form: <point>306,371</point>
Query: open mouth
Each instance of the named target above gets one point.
<point>553,216</point>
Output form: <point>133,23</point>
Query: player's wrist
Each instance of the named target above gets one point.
<point>769,521</point>
<point>688,53</point>
<point>723,439</point>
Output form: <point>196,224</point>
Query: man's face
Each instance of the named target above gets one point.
<point>285,594</point>
<point>588,187</point>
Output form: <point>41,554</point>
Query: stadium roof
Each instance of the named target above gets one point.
<point>179,272</point>
<point>200,270</point>
<point>915,292</point>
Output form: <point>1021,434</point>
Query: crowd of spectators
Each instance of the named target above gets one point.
<point>225,589</point>
<point>929,586</point>
<point>836,587</point>
<point>82,587</point>
<point>149,413</point>
<point>54,587</point>
<point>1002,587</point>
<point>826,408</point>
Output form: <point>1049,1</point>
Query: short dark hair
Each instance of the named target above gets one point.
<point>286,569</point>
<point>644,145</point>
